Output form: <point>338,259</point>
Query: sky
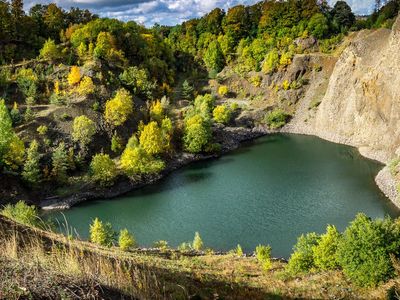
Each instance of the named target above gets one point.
<point>167,12</point>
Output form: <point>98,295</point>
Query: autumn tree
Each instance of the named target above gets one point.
<point>86,86</point>
<point>6,130</point>
<point>222,114</point>
<point>102,233</point>
<point>119,108</point>
<point>74,76</point>
<point>126,240</point>
<point>50,50</point>
<point>103,169</point>
<point>213,57</point>
<point>197,133</point>
<point>83,130</point>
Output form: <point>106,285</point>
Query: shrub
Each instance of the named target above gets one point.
<point>302,259</point>
<point>325,253</point>
<point>42,129</point>
<point>256,80</point>
<point>286,85</point>
<point>162,245</point>
<point>116,144</point>
<point>156,111</point>
<point>119,108</point>
<point>197,242</point>
<point>277,119</point>
<point>223,90</point>
<point>14,157</point>
<point>263,255</point>
<point>31,172</point>
<point>102,234</point>
<point>364,251</point>
<point>74,76</point>
<point>126,240</point>
<point>187,91</point>
<point>222,114</point>
<point>22,213</point>
<point>83,130</point>
<point>239,251</point>
<point>86,86</point>
<point>103,169</point>
<point>185,246</point>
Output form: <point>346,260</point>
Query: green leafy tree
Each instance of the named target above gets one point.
<point>60,163</point>
<point>119,108</point>
<point>197,134</point>
<point>263,255</point>
<point>302,259</point>
<point>102,234</point>
<point>137,80</point>
<point>31,172</point>
<point>318,26</point>
<point>364,251</point>
<point>325,253</point>
<point>126,240</point>
<point>271,62</point>
<point>197,242</point>
<point>83,130</point>
<point>214,57</point>
<point>103,169</point>
<point>50,50</point>
<point>343,17</point>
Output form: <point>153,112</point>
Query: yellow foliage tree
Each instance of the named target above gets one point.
<point>222,114</point>
<point>14,157</point>
<point>151,139</point>
<point>74,76</point>
<point>57,87</point>
<point>86,87</point>
<point>156,111</point>
<point>119,108</point>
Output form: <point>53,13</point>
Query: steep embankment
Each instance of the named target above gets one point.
<point>361,105</point>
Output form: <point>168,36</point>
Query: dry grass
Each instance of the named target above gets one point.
<point>37,264</point>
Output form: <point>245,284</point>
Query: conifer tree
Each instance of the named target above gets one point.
<point>31,172</point>
<point>60,162</point>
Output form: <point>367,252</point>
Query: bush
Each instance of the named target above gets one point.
<point>222,114</point>
<point>256,80</point>
<point>50,50</point>
<point>162,245</point>
<point>83,130</point>
<point>286,85</point>
<point>277,119</point>
<point>263,255</point>
<point>239,250</point>
<point>116,144</point>
<point>22,213</point>
<point>102,234</point>
<point>223,90</point>
<point>364,251</point>
<point>42,130</point>
<point>103,169</point>
<point>74,76</point>
<point>119,108</point>
<point>197,242</point>
<point>271,62</point>
<point>302,259</point>
<point>325,253</point>
<point>126,240</point>
<point>156,111</point>
<point>152,140</point>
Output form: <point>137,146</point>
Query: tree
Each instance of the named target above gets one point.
<point>126,240</point>
<point>14,157</point>
<point>318,26</point>
<point>83,130</point>
<point>187,90</point>
<point>263,255</point>
<point>31,173</point>
<point>222,114</point>
<point>156,111</point>
<point>136,161</point>
<point>197,134</point>
<point>137,80</point>
<point>271,62</point>
<point>151,139</point>
<point>197,242</point>
<point>102,234</point>
<point>6,130</point>
<point>342,15</point>
<point>116,143</point>
<point>302,259</point>
<point>103,169</point>
<point>54,20</point>
<point>214,57</point>
<point>50,50</point>
<point>74,76</point>
<point>223,90</point>
<point>60,162</point>
<point>325,253</point>
<point>119,108</point>
<point>365,249</point>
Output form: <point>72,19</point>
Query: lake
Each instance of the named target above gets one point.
<point>269,191</point>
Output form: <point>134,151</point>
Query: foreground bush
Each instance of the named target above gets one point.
<point>364,252</point>
<point>197,242</point>
<point>126,240</point>
<point>23,213</point>
<point>302,259</point>
<point>263,255</point>
<point>325,253</point>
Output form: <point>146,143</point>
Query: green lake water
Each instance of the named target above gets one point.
<point>269,191</point>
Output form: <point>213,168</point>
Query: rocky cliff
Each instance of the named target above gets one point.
<point>361,104</point>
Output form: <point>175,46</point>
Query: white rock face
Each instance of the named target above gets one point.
<point>361,106</point>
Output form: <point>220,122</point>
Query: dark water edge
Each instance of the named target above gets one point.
<point>269,191</point>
